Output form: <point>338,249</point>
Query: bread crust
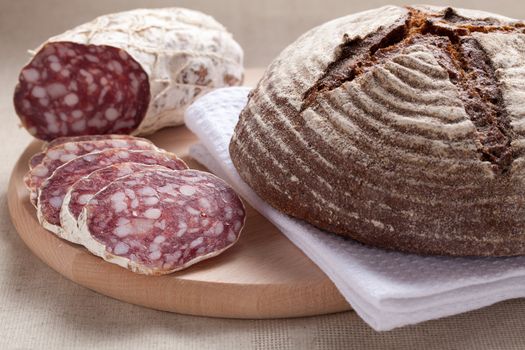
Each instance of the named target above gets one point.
<point>402,128</point>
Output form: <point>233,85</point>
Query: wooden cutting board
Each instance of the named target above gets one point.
<point>263,276</point>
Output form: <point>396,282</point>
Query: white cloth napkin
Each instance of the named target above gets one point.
<point>387,289</point>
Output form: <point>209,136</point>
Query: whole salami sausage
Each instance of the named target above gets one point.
<point>155,222</point>
<point>54,189</point>
<point>129,72</point>
<point>38,157</point>
<point>85,188</point>
<point>65,152</point>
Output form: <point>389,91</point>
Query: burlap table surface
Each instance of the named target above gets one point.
<point>41,309</point>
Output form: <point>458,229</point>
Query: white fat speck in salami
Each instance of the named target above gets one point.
<point>187,190</point>
<point>152,213</point>
<point>38,92</point>
<point>111,114</point>
<point>134,83</point>
<point>66,175</point>
<point>36,159</point>
<point>121,248</point>
<point>71,99</point>
<point>165,238</point>
<point>31,75</point>
<point>68,151</point>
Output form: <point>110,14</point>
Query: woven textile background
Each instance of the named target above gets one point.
<point>41,309</point>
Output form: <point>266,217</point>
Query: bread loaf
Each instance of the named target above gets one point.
<point>402,128</point>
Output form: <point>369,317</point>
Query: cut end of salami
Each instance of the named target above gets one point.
<point>73,89</point>
<point>156,222</point>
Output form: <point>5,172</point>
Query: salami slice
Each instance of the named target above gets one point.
<point>65,139</point>
<point>85,188</point>
<point>38,157</point>
<point>65,152</point>
<point>155,222</point>
<point>54,189</point>
<point>112,75</point>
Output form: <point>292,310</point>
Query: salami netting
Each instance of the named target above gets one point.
<point>156,221</point>
<point>73,89</point>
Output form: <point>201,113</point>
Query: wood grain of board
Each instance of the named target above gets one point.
<point>263,276</point>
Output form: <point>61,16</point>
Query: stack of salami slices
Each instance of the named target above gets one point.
<point>132,203</point>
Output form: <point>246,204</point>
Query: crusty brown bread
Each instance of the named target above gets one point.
<point>402,128</point>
